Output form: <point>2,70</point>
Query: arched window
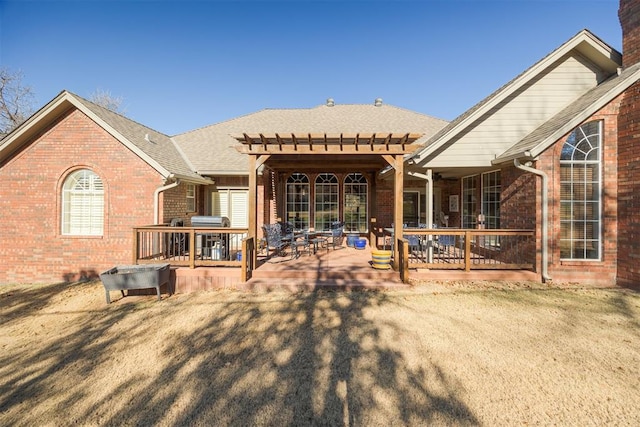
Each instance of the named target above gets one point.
<point>326,203</point>
<point>355,203</point>
<point>581,194</point>
<point>83,204</point>
<point>298,201</point>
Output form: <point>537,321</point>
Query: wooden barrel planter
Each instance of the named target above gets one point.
<point>381,260</point>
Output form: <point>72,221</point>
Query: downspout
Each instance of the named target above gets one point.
<point>156,197</point>
<point>545,215</point>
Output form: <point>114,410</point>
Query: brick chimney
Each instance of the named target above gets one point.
<point>628,244</point>
<point>629,15</point>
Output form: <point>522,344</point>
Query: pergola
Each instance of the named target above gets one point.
<point>313,150</point>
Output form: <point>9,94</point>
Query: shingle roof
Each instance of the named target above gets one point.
<point>213,149</point>
<point>156,145</point>
<point>571,116</point>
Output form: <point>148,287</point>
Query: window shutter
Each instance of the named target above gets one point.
<point>239,204</point>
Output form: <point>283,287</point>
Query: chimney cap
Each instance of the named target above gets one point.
<point>377,102</point>
<point>330,102</point>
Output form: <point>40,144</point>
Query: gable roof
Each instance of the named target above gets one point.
<point>573,115</point>
<point>153,147</point>
<point>584,43</point>
<point>213,146</point>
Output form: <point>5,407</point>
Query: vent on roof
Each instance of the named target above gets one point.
<point>330,102</point>
<point>377,102</point>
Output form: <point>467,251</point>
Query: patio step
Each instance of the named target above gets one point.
<point>336,274</point>
<point>305,285</point>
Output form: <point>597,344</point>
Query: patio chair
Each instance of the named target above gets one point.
<point>177,242</point>
<point>415,244</point>
<point>299,244</point>
<point>286,230</point>
<point>337,234</point>
<point>273,237</point>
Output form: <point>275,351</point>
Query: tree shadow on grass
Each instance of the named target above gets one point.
<point>313,358</point>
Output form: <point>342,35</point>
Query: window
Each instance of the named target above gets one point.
<point>83,204</point>
<point>491,187</point>
<point>469,203</point>
<point>355,203</point>
<point>580,194</point>
<point>326,201</point>
<point>233,204</point>
<point>191,198</point>
<point>298,201</point>
<point>410,208</point>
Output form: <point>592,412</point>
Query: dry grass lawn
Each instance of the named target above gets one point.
<point>436,355</point>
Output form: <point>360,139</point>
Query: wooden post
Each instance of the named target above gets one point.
<point>373,237</point>
<point>467,250</point>
<point>192,248</point>
<point>398,211</point>
<point>135,246</point>
<point>253,195</point>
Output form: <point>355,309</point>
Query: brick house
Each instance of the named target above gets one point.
<point>551,150</point>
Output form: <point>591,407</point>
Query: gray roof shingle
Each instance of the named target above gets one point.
<point>154,144</point>
<point>212,149</point>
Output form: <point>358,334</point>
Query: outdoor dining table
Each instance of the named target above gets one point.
<point>315,238</point>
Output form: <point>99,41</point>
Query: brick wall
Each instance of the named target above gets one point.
<point>628,187</point>
<point>601,272</point>
<point>628,153</point>
<point>32,248</point>
<point>629,15</point>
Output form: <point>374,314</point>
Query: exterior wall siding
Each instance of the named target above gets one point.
<point>32,248</point>
<point>520,114</point>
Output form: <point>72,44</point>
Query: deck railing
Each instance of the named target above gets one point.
<point>192,246</point>
<point>464,249</point>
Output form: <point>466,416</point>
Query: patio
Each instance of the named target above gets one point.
<point>348,268</point>
<point>341,268</point>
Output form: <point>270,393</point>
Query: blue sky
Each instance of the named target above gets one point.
<point>181,65</point>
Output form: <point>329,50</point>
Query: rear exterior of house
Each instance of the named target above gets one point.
<point>71,196</point>
<point>77,179</point>
<point>73,154</point>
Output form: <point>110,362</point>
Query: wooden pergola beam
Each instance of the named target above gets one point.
<point>390,146</point>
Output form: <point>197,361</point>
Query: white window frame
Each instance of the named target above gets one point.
<point>191,198</point>
<point>298,188</point>
<point>468,220</point>
<point>82,212</point>
<point>352,186</point>
<point>230,202</point>
<point>571,146</point>
<point>327,200</point>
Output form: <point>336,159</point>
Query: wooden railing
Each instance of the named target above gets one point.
<point>447,248</point>
<point>193,246</point>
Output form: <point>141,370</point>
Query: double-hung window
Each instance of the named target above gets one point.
<point>191,197</point>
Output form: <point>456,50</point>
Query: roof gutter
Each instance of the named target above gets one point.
<point>156,196</point>
<point>545,215</point>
